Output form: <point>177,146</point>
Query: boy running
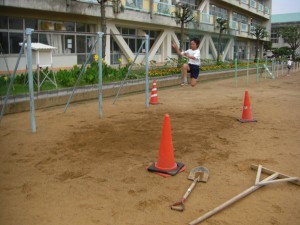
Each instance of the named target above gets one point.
<point>193,65</point>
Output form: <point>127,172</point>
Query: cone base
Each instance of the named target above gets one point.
<point>154,103</point>
<point>167,173</point>
<point>246,121</point>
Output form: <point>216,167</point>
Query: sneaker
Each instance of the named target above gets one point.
<point>184,84</point>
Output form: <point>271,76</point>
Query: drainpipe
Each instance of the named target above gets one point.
<point>151,8</point>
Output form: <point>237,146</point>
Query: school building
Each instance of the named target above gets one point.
<point>282,20</point>
<point>71,26</point>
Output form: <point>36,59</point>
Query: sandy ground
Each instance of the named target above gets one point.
<point>78,169</point>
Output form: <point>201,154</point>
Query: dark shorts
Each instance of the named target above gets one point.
<point>194,71</point>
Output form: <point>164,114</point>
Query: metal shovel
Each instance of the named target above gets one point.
<point>198,174</point>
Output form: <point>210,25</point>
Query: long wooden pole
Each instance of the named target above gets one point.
<point>269,180</point>
<point>231,201</point>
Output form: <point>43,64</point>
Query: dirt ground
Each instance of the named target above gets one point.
<point>78,169</point>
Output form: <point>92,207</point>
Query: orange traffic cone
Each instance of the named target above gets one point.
<point>154,96</point>
<point>247,115</point>
<point>166,166</point>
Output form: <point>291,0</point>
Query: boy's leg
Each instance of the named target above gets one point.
<point>194,70</point>
<point>193,82</point>
<point>184,70</point>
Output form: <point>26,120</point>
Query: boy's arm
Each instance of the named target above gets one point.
<point>174,45</point>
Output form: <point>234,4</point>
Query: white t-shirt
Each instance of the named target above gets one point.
<point>195,53</point>
<point>289,62</point>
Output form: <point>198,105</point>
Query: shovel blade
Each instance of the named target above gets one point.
<point>201,173</point>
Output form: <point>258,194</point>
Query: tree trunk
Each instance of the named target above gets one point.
<point>182,36</point>
<point>257,50</point>
<point>181,43</point>
<point>219,46</point>
<point>103,27</point>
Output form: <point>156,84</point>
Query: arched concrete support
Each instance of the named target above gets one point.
<point>228,49</point>
<point>212,47</point>
<point>120,41</point>
<point>158,42</point>
<point>204,47</point>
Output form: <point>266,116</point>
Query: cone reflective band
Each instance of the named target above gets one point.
<point>166,165</point>
<point>154,96</point>
<point>247,115</point>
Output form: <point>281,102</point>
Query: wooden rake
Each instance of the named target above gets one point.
<point>258,184</point>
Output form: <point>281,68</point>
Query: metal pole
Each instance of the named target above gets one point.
<point>235,70</point>
<point>147,71</point>
<point>266,63</point>
<point>247,72</point>
<point>100,36</point>
<point>277,69</point>
<point>128,72</point>
<point>29,65</point>
<point>257,65</point>
<point>12,79</point>
<point>79,77</point>
<point>272,66</point>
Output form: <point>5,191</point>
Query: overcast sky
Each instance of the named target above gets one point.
<point>285,6</point>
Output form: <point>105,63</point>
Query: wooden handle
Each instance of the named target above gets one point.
<point>189,190</point>
<point>232,200</point>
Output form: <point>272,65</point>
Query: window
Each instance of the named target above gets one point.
<point>274,35</point>
<point>69,26</point>
<point>84,43</point>
<point>133,40</point>
<point>223,44</point>
<point>256,22</point>
<point>163,7</point>
<point>193,3</point>
<point>31,23</point>
<point>14,40</point>
<point>15,24</point>
<point>134,3</point>
<point>239,18</point>
<point>12,33</point>
<point>4,42</point>
<point>218,12</point>
<point>3,22</point>
<point>69,43</point>
<point>80,27</point>
<point>241,49</point>
<point>45,39</point>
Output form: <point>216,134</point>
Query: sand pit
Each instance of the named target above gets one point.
<point>78,169</point>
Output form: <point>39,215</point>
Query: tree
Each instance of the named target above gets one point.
<point>117,8</point>
<point>260,33</point>
<point>103,24</point>
<point>222,25</point>
<point>268,45</point>
<point>282,52</point>
<point>184,14</point>
<point>292,37</point>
